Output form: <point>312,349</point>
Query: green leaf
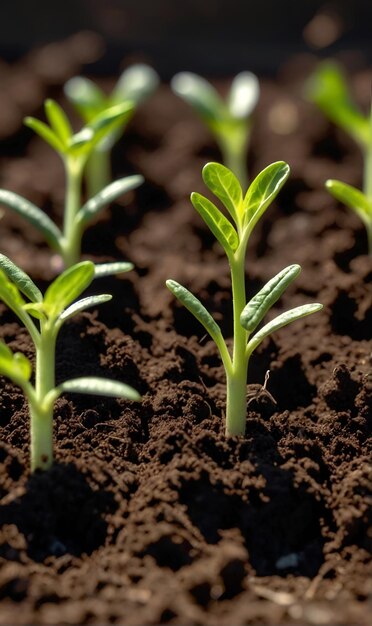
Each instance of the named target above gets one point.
<point>45,133</point>
<point>10,294</point>
<point>81,141</point>
<point>110,269</point>
<point>100,387</point>
<point>200,94</point>
<point>352,197</point>
<point>256,309</point>
<point>15,366</point>
<point>136,83</point>
<point>244,94</point>
<point>280,321</point>
<point>58,121</point>
<point>106,196</point>
<point>20,279</point>
<point>220,226</point>
<point>86,96</point>
<point>224,184</point>
<point>82,305</point>
<point>67,287</point>
<point>328,88</point>
<point>106,121</point>
<point>35,309</point>
<point>263,190</point>
<point>107,124</point>
<point>192,304</point>
<point>34,216</point>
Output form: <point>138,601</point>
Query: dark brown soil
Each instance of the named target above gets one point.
<point>149,514</point>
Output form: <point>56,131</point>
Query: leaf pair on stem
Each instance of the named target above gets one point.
<point>43,317</point>
<point>233,235</point>
<point>135,84</point>
<point>74,150</point>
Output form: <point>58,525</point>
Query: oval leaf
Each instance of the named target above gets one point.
<point>224,184</point>
<point>15,366</point>
<point>263,190</point>
<point>20,279</point>
<point>192,304</point>
<point>110,269</point>
<point>86,96</point>
<point>58,120</point>
<point>45,133</point>
<point>100,387</point>
<point>280,321</point>
<point>106,196</point>
<point>136,83</point>
<point>34,216</point>
<point>243,96</point>
<point>352,197</point>
<point>220,226</point>
<point>200,94</point>
<point>10,294</point>
<point>67,287</point>
<point>82,305</point>
<point>256,309</point>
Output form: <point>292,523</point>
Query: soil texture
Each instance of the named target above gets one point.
<point>149,515</point>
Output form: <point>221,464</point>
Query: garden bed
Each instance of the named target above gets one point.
<point>149,514</point>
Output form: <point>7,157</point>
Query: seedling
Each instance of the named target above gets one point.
<point>74,150</point>
<point>233,235</point>
<point>329,90</point>
<point>51,311</point>
<point>229,122</point>
<point>134,85</point>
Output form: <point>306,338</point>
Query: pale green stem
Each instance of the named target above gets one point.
<point>233,143</point>
<point>98,171</point>
<point>72,232</point>
<point>40,411</point>
<point>236,404</point>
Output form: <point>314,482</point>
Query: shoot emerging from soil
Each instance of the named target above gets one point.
<point>233,235</point>
<point>43,317</point>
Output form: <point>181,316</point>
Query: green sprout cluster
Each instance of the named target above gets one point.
<point>328,88</point>
<point>86,153</point>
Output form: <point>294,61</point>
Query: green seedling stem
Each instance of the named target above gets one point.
<point>74,150</point>
<point>43,317</point>
<point>230,120</point>
<point>328,88</point>
<point>233,234</point>
<point>134,86</point>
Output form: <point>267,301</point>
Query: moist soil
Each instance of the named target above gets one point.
<point>149,514</point>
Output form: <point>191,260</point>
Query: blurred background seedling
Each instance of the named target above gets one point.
<point>230,120</point>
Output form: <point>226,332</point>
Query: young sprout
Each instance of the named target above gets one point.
<point>51,311</point>
<point>74,150</point>
<point>329,90</point>
<point>229,121</point>
<point>134,85</point>
<point>233,235</point>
